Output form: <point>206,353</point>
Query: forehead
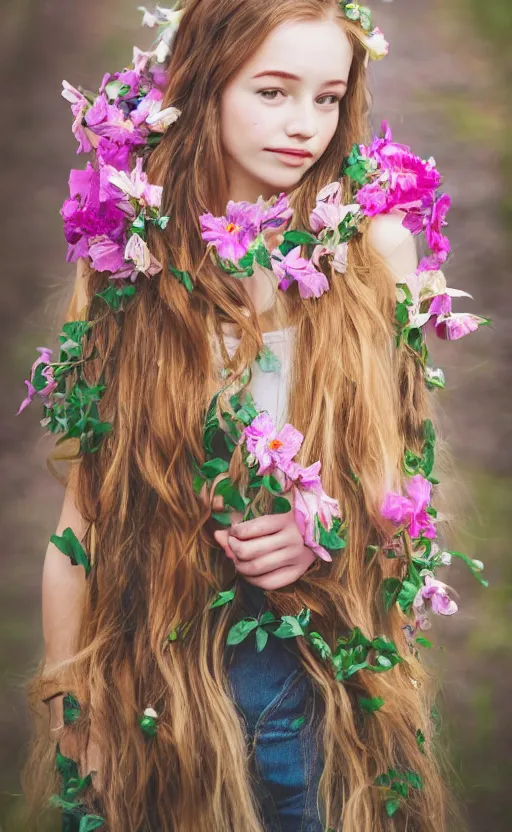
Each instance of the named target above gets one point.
<point>312,49</point>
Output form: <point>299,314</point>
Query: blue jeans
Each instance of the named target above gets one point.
<point>282,712</point>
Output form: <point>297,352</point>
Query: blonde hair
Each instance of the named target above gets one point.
<point>359,402</point>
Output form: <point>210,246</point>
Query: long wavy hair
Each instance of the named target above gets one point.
<point>358,400</point>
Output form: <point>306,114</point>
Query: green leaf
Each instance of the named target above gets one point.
<point>331,539</point>
<point>414,779</point>
<point>424,642</point>
<point>222,517</point>
<point>295,724</point>
<point>183,278</point>
<point>69,545</point>
<point>222,598</point>
<point>230,494</point>
<point>261,638</point>
<point>268,617</point>
<point>320,645</point>
<point>289,627</point>
<point>71,707</point>
<point>420,739</point>
<point>214,467</point>
<point>271,483</point>
<point>392,806</point>
<point>369,705</point>
<point>211,425</point>
<point>280,505</point>
<point>268,361</point>
<point>90,822</point>
<point>390,589</point>
<point>262,256</point>
<point>304,617</point>
<point>241,630</point>
<point>300,238</point>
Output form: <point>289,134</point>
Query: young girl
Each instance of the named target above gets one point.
<point>233,599</point>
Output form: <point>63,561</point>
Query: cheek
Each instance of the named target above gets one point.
<point>243,127</point>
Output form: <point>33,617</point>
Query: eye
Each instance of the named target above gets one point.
<point>336,99</point>
<point>264,93</point>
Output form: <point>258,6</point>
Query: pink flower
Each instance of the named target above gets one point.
<point>435,238</point>
<point>311,282</point>
<point>232,235</point>
<point>134,184</point>
<point>106,256</point>
<point>79,106</point>
<point>450,326</point>
<point>306,506</point>
<point>411,511</point>
<point>43,390</point>
<point>438,594</point>
<point>275,215</point>
<point>329,215</point>
<point>272,448</point>
<point>457,325</point>
<point>137,251</point>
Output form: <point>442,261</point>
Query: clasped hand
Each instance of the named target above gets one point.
<point>268,551</point>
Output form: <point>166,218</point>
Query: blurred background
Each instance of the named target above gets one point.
<point>444,89</point>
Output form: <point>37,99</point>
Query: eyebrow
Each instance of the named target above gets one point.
<point>278,73</point>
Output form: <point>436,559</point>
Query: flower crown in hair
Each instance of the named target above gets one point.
<point>373,38</point>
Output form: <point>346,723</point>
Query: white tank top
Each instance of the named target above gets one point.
<point>270,390</point>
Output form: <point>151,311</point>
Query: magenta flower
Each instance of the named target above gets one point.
<point>107,120</point>
<point>450,326</point>
<point>440,601</point>
<point>406,180</point>
<point>274,216</point>
<point>311,282</point>
<point>233,234</point>
<point>272,449</point>
<point>79,106</point>
<point>306,506</point>
<point>435,238</point>
<point>134,184</point>
<point>86,216</point>
<point>112,154</point>
<point>330,215</point>
<point>106,256</point>
<point>39,388</point>
<point>373,199</point>
<point>411,510</point>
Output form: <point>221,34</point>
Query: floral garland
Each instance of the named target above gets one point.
<point>111,205</point>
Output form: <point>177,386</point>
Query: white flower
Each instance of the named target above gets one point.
<point>161,52</point>
<point>151,712</point>
<point>162,119</point>
<point>149,19</point>
<point>137,251</point>
<point>376,44</point>
<point>477,564</point>
<point>445,559</point>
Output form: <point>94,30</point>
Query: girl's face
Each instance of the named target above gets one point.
<point>285,97</point>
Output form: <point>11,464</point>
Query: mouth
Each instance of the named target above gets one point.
<point>286,151</point>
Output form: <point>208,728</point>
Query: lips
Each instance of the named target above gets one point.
<point>303,154</point>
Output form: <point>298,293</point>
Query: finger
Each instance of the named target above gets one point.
<point>277,579</point>
<point>221,536</point>
<point>267,563</point>
<point>258,546</point>
<point>267,524</point>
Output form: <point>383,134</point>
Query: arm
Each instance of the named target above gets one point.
<point>63,591</point>
<point>394,243</point>
<point>63,585</point>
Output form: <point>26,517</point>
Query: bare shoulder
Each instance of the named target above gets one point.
<point>394,243</point>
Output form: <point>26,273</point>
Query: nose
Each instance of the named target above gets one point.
<point>302,121</point>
